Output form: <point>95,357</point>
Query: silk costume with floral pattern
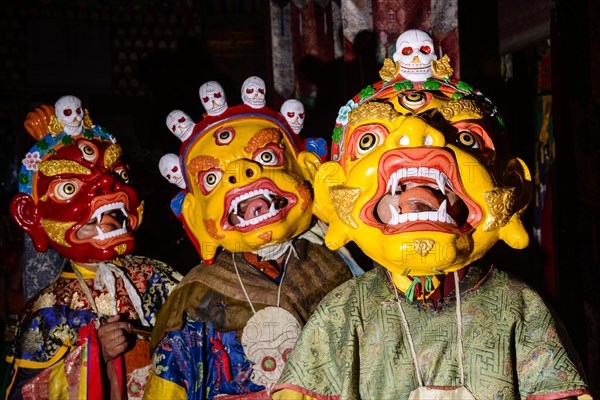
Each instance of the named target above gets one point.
<point>57,330</point>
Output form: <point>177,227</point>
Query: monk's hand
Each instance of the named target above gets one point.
<point>114,337</point>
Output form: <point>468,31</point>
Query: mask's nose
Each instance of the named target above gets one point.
<point>108,183</point>
<point>242,171</point>
<point>415,132</point>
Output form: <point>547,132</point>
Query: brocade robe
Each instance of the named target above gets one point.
<point>200,355</point>
<point>354,346</point>
<point>56,353</point>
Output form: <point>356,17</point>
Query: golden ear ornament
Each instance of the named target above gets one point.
<point>500,202</point>
<point>343,199</point>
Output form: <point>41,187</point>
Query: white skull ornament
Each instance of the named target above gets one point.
<point>69,113</point>
<point>267,339</point>
<point>253,92</point>
<point>213,98</point>
<point>293,111</point>
<point>180,124</point>
<point>414,53</point>
<point>171,170</point>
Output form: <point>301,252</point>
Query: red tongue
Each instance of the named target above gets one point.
<point>417,199</point>
<point>256,208</point>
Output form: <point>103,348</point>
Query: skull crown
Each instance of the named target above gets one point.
<point>214,100</point>
<point>414,55</point>
<point>69,113</point>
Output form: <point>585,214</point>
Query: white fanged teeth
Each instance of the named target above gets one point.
<point>430,174</point>
<point>98,217</point>
<point>253,193</point>
<point>441,215</point>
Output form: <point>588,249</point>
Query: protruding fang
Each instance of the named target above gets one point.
<point>442,213</point>
<point>441,181</point>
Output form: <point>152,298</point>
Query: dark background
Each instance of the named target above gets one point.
<point>132,62</point>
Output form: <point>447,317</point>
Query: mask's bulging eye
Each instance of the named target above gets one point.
<point>425,49</point>
<point>413,100</point>
<point>209,180</point>
<point>269,157</point>
<point>224,136</point>
<point>365,138</point>
<point>65,190</point>
<point>407,51</point>
<point>467,139</point>
<point>123,174</point>
<point>366,142</point>
<point>89,152</point>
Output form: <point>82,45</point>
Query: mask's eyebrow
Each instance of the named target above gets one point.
<point>261,138</point>
<point>202,163</point>
<point>59,167</point>
<point>372,110</point>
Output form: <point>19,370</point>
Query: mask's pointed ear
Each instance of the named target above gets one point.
<point>517,175</point>
<point>310,163</point>
<point>25,213</point>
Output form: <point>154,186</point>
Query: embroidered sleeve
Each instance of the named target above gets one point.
<point>545,363</point>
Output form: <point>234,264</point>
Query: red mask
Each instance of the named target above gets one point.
<point>81,203</point>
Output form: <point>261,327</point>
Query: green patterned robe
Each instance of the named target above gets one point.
<point>354,345</point>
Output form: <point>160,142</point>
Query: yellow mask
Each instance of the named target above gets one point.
<point>421,180</point>
<point>247,186</point>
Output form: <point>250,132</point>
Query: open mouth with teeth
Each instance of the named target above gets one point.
<point>110,219</point>
<point>253,206</point>
<point>420,189</point>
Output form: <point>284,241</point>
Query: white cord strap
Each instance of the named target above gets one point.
<point>459,334</point>
<point>408,337</point>
<point>290,250</point>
